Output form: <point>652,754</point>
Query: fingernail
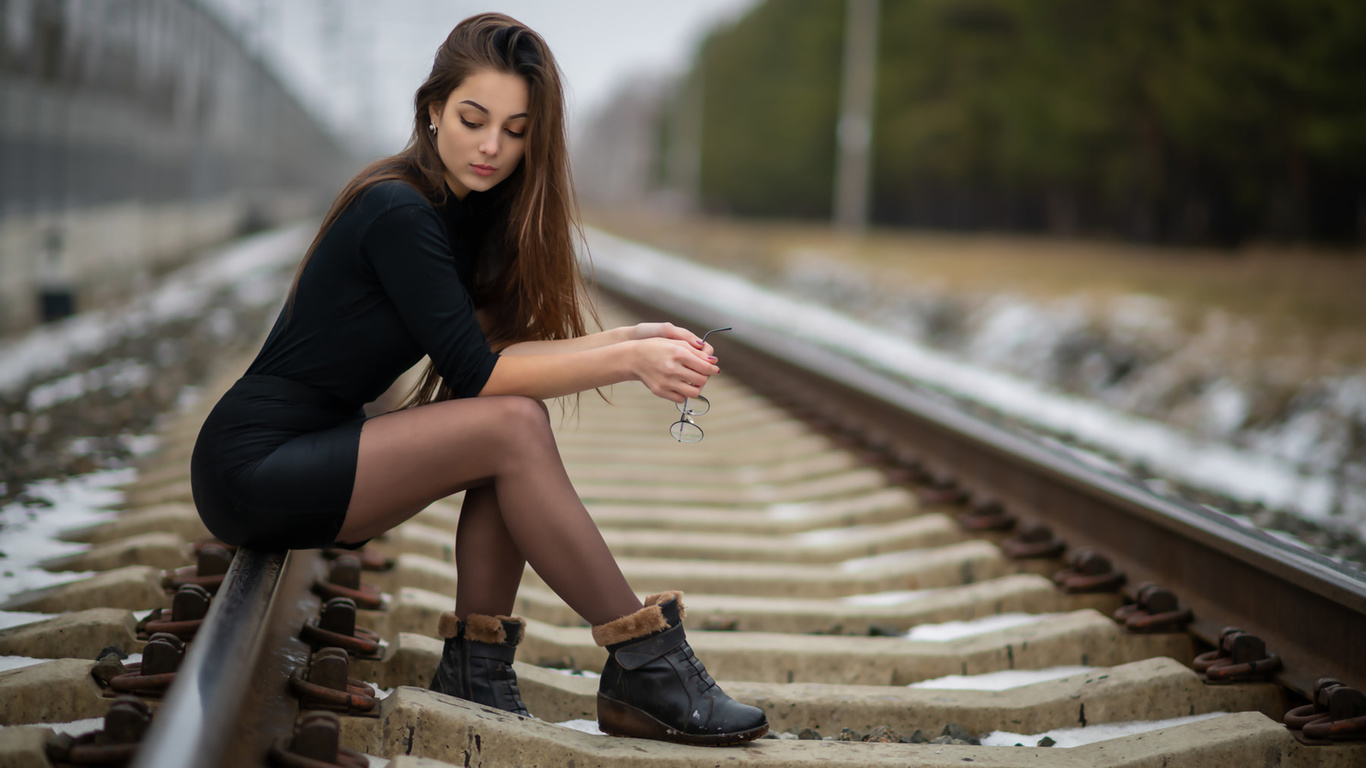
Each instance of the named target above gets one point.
<point>713,359</point>
<point>697,343</point>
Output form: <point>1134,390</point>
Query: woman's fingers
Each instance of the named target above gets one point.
<point>692,359</point>
<point>676,370</point>
<point>671,331</point>
<point>698,368</point>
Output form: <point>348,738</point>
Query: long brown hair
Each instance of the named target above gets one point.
<point>531,287</point>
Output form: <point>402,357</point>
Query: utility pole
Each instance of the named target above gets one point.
<point>855,135</point>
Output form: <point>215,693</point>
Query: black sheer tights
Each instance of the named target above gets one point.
<point>520,506</point>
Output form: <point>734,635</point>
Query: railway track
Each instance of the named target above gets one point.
<point>828,512</point>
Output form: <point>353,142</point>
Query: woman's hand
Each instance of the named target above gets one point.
<point>672,368</point>
<point>642,331</point>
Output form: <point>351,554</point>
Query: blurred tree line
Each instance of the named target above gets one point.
<point>1185,121</point>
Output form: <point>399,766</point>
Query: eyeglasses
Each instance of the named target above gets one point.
<point>685,430</point>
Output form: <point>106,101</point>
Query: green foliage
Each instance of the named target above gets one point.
<point>769,108</point>
<point>1183,119</point>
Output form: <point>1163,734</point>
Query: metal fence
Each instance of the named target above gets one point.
<point>131,132</point>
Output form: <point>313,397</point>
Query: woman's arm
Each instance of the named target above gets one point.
<point>671,368</point>
<point>605,339</point>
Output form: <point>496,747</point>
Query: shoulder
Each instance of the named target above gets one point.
<point>396,209</point>
<point>394,217</point>
<point>384,196</point>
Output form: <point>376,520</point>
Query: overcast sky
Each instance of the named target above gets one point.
<point>356,63</point>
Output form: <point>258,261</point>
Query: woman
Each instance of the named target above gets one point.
<point>460,248</point>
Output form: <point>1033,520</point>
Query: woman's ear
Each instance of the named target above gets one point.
<point>434,112</point>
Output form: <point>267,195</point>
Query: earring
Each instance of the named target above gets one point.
<point>431,128</point>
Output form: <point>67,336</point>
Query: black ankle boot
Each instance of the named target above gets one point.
<point>476,663</point>
<point>653,687</point>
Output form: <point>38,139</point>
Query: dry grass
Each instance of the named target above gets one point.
<point>1306,304</point>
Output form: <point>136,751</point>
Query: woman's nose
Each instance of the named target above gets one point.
<point>491,144</point>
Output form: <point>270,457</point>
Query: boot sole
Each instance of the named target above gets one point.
<point>618,719</point>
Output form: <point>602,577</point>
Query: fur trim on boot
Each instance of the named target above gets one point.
<point>447,625</point>
<point>480,628</point>
<point>645,621</point>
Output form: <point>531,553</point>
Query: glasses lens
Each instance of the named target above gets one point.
<point>694,406</point>
<point>685,431</point>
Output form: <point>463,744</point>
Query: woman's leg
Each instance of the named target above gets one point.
<point>411,458</point>
<point>486,557</point>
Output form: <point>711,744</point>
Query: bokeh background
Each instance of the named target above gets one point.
<point>1155,208</point>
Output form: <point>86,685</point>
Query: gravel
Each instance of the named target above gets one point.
<point>103,381</point>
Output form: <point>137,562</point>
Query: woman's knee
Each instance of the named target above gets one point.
<point>526,410</point>
<point>523,417</point>
<point>522,430</point>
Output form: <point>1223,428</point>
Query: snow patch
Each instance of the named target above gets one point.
<point>826,537</point>
<point>584,726</point>
<point>1000,681</point>
<point>885,560</point>
<point>577,673</point>
<point>877,599</point>
<point>954,630</point>
<point>119,377</point>
<point>1076,737</point>
<point>28,532</point>
<point>18,662</point>
<point>793,511</point>
<point>250,268</point>
<point>78,727</point>
<point>20,618</point>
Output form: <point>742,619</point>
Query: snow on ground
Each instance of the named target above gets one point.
<point>380,693</point>
<point>1238,473</point>
<point>791,510</point>
<point>18,662</point>
<point>875,599</point>
<point>1000,681</point>
<point>577,673</point>
<point>1076,737</point>
<point>953,630</point>
<point>119,377</point>
<point>249,267</point>
<point>586,726</point>
<point>28,531</point>
<point>19,618</point>
<point>873,562</point>
<point>78,727</point>
<point>829,537</point>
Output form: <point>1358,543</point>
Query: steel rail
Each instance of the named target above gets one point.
<point>241,655</point>
<point>1309,609</point>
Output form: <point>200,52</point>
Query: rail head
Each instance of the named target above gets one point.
<point>200,717</point>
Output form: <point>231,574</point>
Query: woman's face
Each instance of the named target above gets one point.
<point>481,129</point>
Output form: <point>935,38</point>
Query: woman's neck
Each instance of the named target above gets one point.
<point>455,187</point>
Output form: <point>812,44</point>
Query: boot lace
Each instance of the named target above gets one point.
<point>704,678</point>
<point>503,674</point>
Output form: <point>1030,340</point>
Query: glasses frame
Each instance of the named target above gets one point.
<point>686,426</point>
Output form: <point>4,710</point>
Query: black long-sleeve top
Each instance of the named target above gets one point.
<point>388,283</point>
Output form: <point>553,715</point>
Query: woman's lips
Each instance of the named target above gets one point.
<point>483,170</point>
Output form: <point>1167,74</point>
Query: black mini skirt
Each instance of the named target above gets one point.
<point>275,463</point>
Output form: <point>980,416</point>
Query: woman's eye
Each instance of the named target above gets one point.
<point>468,124</point>
<point>516,134</point>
